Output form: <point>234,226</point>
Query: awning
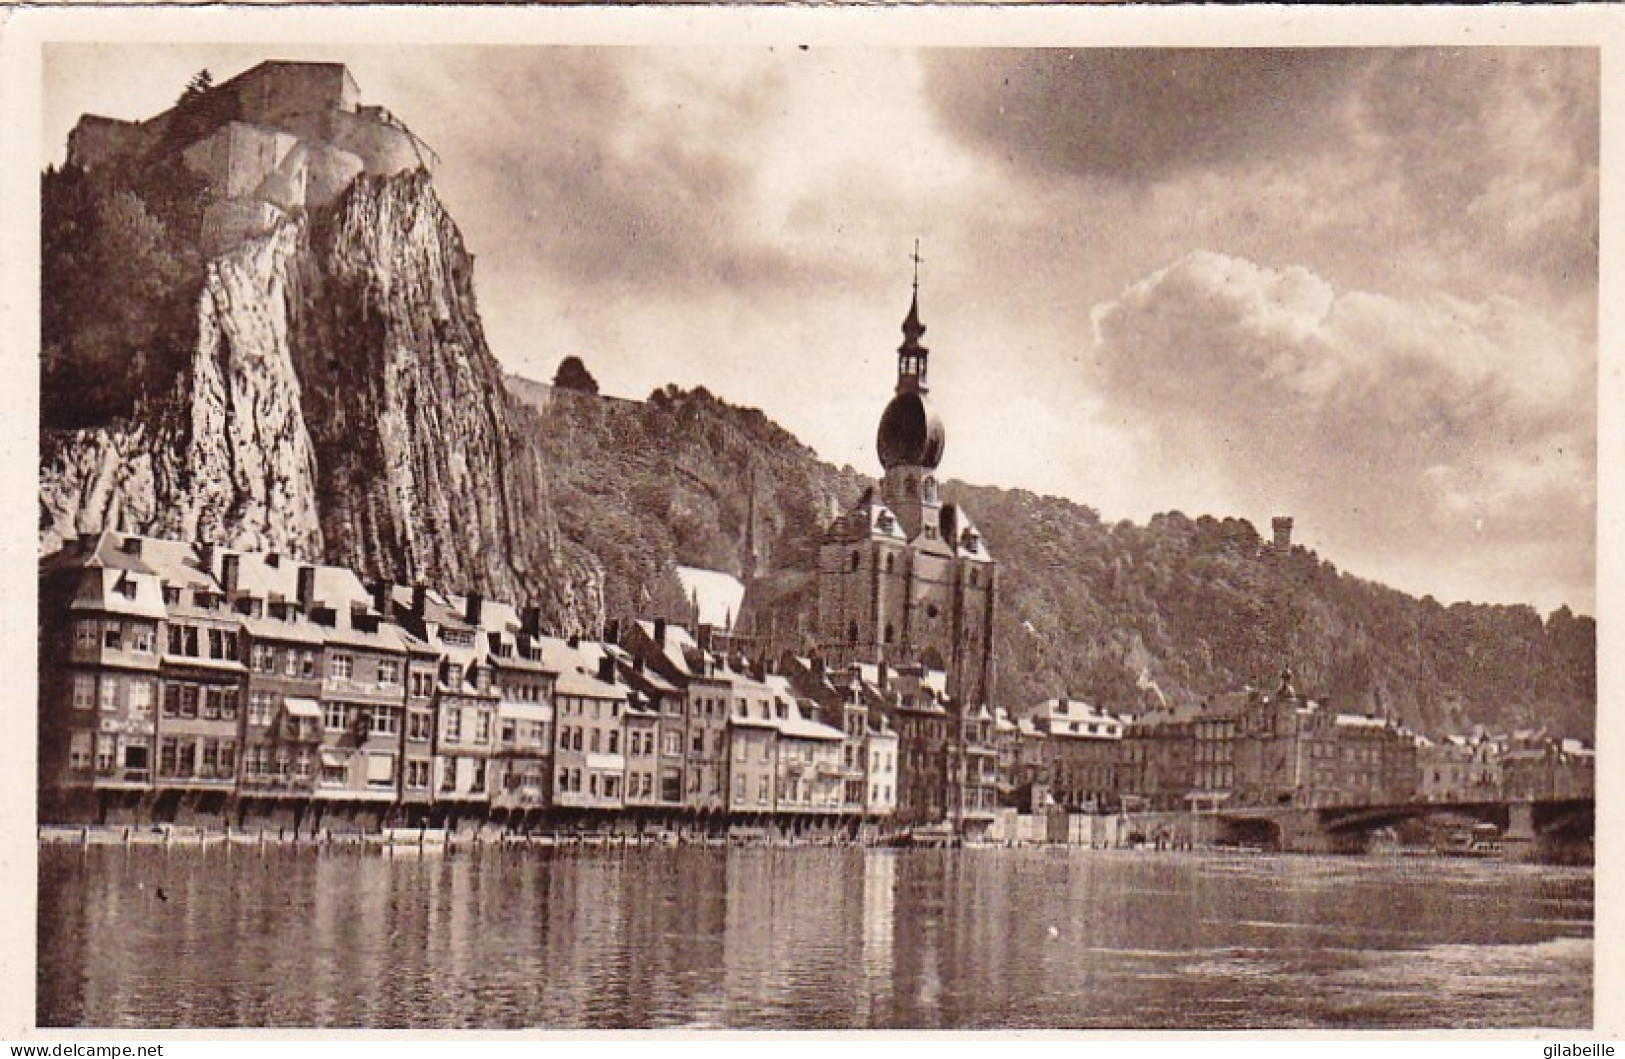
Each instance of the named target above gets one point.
<point>334,759</point>
<point>302,707</point>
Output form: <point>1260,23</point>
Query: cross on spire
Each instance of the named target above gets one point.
<point>918,260</point>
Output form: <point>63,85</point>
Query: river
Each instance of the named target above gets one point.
<point>806,939</point>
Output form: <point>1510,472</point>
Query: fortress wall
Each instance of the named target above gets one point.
<point>237,158</point>
<point>328,171</point>
<point>277,93</point>
<point>384,149</point>
<point>229,222</point>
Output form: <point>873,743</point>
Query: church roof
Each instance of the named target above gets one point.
<point>718,595</point>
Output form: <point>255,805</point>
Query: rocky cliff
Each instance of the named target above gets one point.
<point>331,396</point>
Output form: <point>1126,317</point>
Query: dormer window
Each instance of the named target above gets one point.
<point>172,596</point>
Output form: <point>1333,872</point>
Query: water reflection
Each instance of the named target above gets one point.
<point>805,938</point>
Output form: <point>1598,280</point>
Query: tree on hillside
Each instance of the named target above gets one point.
<point>573,375</point>
<point>200,83</point>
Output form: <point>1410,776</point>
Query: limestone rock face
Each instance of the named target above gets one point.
<point>426,463</point>
<point>342,404</point>
<point>226,456</point>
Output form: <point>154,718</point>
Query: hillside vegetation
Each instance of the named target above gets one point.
<point>1194,606</point>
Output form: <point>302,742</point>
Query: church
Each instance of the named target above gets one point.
<point>903,578</point>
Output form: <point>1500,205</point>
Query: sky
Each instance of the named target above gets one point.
<point>1358,287</point>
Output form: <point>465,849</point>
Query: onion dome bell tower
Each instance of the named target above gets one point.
<point>911,437</point>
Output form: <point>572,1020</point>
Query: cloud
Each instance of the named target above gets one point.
<point>1472,170</point>
<point>1427,427</point>
<point>1141,114</point>
<point>608,168</point>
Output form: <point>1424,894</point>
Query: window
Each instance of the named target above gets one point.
<point>454,675</point>
<point>614,742</point>
<point>482,727</point>
<point>699,742</point>
<point>79,750</point>
<point>106,751</point>
<point>262,658</point>
<point>510,732</point>
<point>592,784</point>
<point>739,790</point>
<point>577,741</point>
<point>673,743</point>
<point>307,664</point>
<point>86,634</point>
<point>593,746</point>
<point>340,666</point>
<point>479,784</point>
<point>417,775</point>
<point>448,776</point>
<point>389,671</point>
<point>261,707</point>
<point>385,721</point>
<point>217,643</point>
<point>761,791</point>
<point>857,560</point>
<point>169,756</point>
<point>109,696</point>
<point>113,637</point>
<point>84,691</point>
<point>418,725</point>
<point>454,724</point>
<point>333,716</point>
<point>210,763</point>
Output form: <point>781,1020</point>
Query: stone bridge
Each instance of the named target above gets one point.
<point>1553,829</point>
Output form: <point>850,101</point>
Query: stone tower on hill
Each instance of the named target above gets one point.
<point>278,137</point>
<point>902,577</point>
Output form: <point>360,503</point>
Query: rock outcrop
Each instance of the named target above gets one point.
<point>225,457</point>
<point>340,402</point>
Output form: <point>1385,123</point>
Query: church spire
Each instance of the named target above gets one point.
<point>911,356</point>
<point>753,556</point>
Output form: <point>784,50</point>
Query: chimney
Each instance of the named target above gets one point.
<point>273,560</point>
<point>380,596</point>
<point>884,671</point>
<point>660,632</point>
<point>474,609</point>
<point>530,621</point>
<point>307,588</point>
<point>205,556</point>
<point>574,641</point>
<point>87,542</point>
<point>132,546</point>
<point>420,596</point>
<point>1282,525</point>
<point>230,567</point>
<point>612,631</point>
<point>606,669</point>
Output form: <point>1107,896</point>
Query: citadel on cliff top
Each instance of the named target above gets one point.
<point>279,137</point>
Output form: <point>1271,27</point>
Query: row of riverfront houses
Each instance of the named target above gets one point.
<point>193,683</point>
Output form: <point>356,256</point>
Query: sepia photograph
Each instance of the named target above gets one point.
<point>800,533</point>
